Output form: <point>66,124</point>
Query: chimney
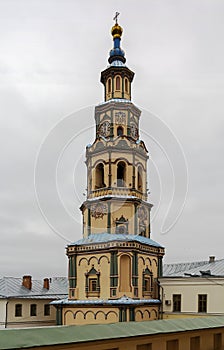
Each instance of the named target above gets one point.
<point>27,282</point>
<point>46,283</point>
<point>212,259</point>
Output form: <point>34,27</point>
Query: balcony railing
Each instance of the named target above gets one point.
<point>117,191</point>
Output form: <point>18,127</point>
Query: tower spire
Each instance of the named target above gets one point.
<point>116,54</point>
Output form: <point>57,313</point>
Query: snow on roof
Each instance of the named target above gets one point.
<point>109,237</point>
<point>123,300</point>
<point>196,268</point>
<point>11,287</point>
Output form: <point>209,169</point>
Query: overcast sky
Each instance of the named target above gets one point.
<point>51,56</point>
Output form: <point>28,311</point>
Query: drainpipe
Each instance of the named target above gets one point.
<point>161,300</point>
<point>6,314</point>
<point>161,296</point>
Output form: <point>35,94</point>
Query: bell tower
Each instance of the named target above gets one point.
<point>117,160</point>
<point>113,269</point>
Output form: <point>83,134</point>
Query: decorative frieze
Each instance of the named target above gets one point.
<point>120,118</point>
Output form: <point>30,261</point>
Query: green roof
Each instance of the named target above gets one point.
<point>31,337</point>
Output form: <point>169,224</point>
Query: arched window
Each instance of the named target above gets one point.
<point>109,85</point>
<point>120,131</point>
<point>99,181</point>
<point>121,174</point>
<point>118,83</point>
<point>126,85</point>
<point>139,178</point>
<point>125,274</point>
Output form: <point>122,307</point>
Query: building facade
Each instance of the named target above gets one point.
<point>114,268</point>
<point>193,289</point>
<point>26,302</point>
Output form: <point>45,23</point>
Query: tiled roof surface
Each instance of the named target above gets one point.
<point>215,268</point>
<point>11,287</point>
<point>46,336</point>
<point>109,237</point>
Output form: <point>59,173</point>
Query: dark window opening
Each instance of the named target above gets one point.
<point>126,85</point>
<point>47,310</point>
<point>92,284</point>
<point>100,176</point>
<point>139,178</point>
<point>18,310</point>
<point>147,282</point>
<point>120,131</point>
<point>177,303</point>
<point>202,302</point>
<point>109,85</point>
<point>121,174</point>
<point>33,310</point>
<point>118,83</point>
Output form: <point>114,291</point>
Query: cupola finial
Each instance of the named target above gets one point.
<point>116,54</point>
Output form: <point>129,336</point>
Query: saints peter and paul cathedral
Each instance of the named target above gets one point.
<point>113,269</point>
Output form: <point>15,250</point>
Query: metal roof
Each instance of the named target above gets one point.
<point>121,301</point>
<point>197,268</point>
<point>119,100</point>
<point>11,287</point>
<point>46,336</point>
<point>117,63</point>
<point>109,237</point>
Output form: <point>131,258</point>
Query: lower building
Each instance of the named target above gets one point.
<point>112,278</point>
<point>193,289</point>
<point>185,334</point>
<point>26,302</point>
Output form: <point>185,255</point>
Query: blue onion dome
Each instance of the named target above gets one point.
<point>116,54</point>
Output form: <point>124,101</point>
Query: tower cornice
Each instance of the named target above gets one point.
<point>118,198</point>
<point>117,104</point>
<point>109,145</point>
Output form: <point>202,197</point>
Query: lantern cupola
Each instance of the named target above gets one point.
<point>117,77</point>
